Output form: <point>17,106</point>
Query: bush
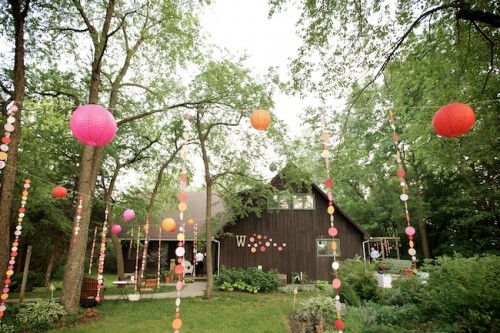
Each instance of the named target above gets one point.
<point>319,310</point>
<point>464,292</point>
<point>354,275</point>
<point>40,312</point>
<point>251,280</point>
<point>33,281</point>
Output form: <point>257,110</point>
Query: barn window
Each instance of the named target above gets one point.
<point>303,201</point>
<point>279,201</point>
<point>328,247</point>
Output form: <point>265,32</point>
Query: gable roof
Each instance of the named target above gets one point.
<point>196,211</point>
<point>279,182</point>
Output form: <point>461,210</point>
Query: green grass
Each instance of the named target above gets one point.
<point>226,312</point>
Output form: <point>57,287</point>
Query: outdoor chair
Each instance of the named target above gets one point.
<point>188,267</point>
<point>148,287</point>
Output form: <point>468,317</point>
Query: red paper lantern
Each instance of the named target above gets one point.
<point>59,192</point>
<point>93,125</point>
<point>260,119</point>
<point>453,120</point>
<point>339,324</point>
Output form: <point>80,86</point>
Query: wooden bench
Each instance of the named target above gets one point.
<point>89,292</point>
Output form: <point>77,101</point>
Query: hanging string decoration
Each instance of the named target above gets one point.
<point>332,230</point>
<point>145,248</point>
<point>159,259</point>
<point>102,255</point>
<point>76,229</point>
<point>409,230</point>
<point>14,248</point>
<point>92,250</point>
<point>180,250</point>
<point>9,128</point>
<point>195,242</point>
<point>137,257</point>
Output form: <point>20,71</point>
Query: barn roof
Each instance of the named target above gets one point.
<point>196,211</point>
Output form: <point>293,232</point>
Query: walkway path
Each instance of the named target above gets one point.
<point>195,289</point>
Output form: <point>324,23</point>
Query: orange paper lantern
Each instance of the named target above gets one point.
<point>260,119</point>
<point>453,120</point>
<point>168,225</point>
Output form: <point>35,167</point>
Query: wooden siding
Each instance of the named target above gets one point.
<point>299,230</point>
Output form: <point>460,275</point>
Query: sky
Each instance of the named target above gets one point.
<point>243,27</point>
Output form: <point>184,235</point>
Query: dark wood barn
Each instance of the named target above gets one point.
<point>291,236</point>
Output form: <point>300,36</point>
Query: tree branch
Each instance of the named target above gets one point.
<point>57,93</point>
<point>492,45</point>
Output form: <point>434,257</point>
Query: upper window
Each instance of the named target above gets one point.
<point>303,201</point>
<point>284,201</point>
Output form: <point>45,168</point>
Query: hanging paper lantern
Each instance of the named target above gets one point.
<point>93,125</point>
<point>260,119</point>
<point>453,120</point>
<point>128,214</point>
<point>168,225</point>
<point>116,229</point>
<point>59,192</point>
<point>339,324</point>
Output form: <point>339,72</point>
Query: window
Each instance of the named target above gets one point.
<point>303,201</point>
<point>328,247</point>
<point>279,201</point>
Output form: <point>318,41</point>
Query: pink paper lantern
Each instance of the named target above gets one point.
<point>116,229</point>
<point>128,214</point>
<point>93,125</point>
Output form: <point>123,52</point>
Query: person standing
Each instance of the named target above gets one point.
<point>374,255</point>
<point>199,263</point>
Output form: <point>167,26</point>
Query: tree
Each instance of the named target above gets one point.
<point>233,95</point>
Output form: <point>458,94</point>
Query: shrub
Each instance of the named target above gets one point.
<point>42,311</point>
<point>252,280</point>
<point>34,280</point>
<point>464,291</point>
<point>361,280</point>
<point>319,310</point>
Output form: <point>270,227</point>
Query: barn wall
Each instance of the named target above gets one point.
<point>296,232</point>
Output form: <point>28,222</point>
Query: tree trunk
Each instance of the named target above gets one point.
<point>50,265</point>
<point>7,186</point>
<point>120,268</point>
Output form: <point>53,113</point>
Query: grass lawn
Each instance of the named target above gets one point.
<point>226,312</point>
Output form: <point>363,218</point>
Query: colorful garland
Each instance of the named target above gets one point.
<point>145,248</point>
<point>9,128</point>
<point>92,250</point>
<point>13,253</point>
<point>409,230</point>
<point>180,250</point>
<point>102,255</point>
<point>332,231</point>
<point>76,229</point>
<point>159,258</point>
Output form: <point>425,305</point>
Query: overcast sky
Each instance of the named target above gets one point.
<point>243,27</point>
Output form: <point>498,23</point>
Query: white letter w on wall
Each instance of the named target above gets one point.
<point>240,240</point>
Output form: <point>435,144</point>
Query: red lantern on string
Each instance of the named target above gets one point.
<point>260,119</point>
<point>339,324</point>
<point>453,120</point>
<point>59,192</point>
<point>116,229</point>
<point>93,125</point>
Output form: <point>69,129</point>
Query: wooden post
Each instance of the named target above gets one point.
<point>25,274</point>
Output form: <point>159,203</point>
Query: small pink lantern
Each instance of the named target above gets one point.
<point>128,214</point>
<point>93,125</point>
<point>116,229</point>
